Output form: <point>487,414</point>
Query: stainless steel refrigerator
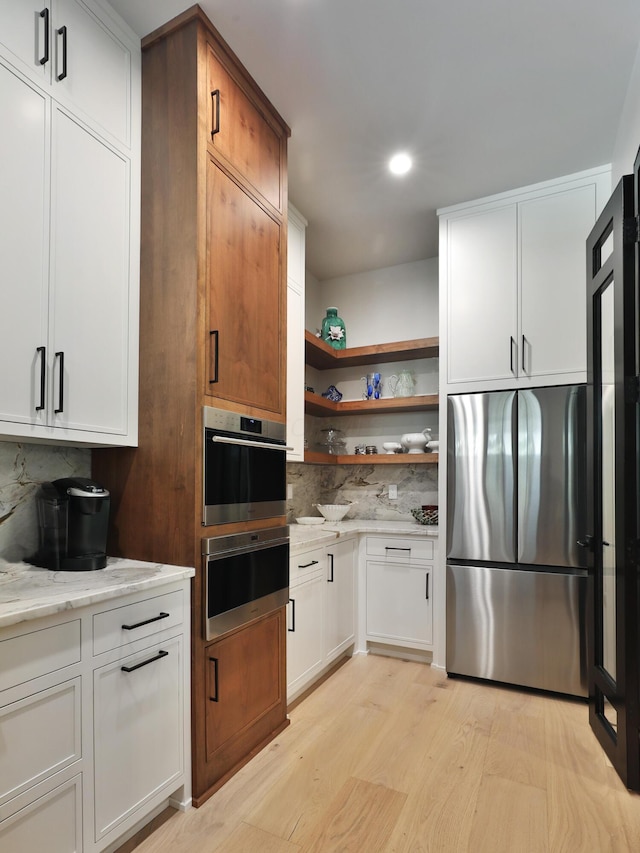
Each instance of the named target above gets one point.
<point>516,573</point>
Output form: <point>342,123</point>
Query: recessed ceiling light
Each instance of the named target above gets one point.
<point>400,164</point>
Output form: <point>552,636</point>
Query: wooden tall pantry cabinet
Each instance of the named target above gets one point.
<point>213,333</point>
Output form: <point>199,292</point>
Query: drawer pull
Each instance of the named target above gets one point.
<point>393,548</point>
<point>146,622</point>
<point>427,589</point>
<point>160,654</point>
<point>293,616</point>
<point>306,565</point>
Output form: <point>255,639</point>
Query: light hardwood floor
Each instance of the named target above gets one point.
<point>392,756</point>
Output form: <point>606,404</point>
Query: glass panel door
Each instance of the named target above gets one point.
<point>612,494</point>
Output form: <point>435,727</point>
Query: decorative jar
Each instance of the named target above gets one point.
<point>333,330</point>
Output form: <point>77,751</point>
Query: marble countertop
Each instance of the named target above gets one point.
<point>306,536</point>
<point>29,592</point>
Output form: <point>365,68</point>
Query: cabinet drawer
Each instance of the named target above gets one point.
<point>115,628</point>
<point>38,653</point>
<point>51,822</point>
<point>302,565</point>
<point>40,735</point>
<point>409,548</point>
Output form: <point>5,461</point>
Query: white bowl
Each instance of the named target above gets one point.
<point>334,512</point>
<point>310,519</point>
<point>392,446</point>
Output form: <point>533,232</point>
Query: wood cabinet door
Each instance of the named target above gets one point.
<point>243,680</point>
<point>239,132</point>
<point>482,295</point>
<point>552,234</point>
<point>24,248</point>
<point>246,322</point>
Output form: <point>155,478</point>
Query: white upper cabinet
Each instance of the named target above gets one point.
<point>295,334</point>
<point>24,247</point>
<point>512,278</point>
<point>483,304</point>
<point>74,49</point>
<point>90,280</point>
<point>69,224</point>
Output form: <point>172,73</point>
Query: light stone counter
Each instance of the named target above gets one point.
<point>303,537</point>
<point>29,592</point>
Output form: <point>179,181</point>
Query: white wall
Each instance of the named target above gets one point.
<point>380,306</point>
<point>628,137</point>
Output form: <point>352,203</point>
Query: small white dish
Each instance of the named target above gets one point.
<point>310,519</point>
<point>392,446</point>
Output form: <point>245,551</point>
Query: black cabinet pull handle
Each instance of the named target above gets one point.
<point>146,622</point>
<point>43,370</point>
<point>45,58</point>
<point>215,335</point>
<point>330,578</point>
<point>215,112</point>
<point>306,565</point>
<point>60,408</point>
<point>160,655</point>
<point>512,343</point>
<point>393,548</point>
<point>426,593</point>
<point>63,32</point>
<point>524,368</point>
<point>293,616</point>
<point>215,698</point>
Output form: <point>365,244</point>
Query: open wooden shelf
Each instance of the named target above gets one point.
<point>319,406</point>
<point>313,457</point>
<point>323,357</point>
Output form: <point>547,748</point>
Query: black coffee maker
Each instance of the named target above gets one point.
<point>73,513</point>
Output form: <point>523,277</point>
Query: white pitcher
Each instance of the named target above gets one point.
<point>402,384</point>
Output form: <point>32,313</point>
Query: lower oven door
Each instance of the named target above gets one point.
<point>246,576</point>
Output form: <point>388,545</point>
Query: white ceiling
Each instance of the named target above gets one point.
<point>487,95</point>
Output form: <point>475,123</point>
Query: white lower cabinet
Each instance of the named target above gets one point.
<point>321,612</point>
<point>136,709</point>
<point>339,611</point>
<point>399,591</point>
<point>51,821</point>
<point>94,721</point>
<point>304,632</point>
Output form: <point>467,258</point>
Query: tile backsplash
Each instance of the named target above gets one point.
<point>368,485</point>
<point>22,468</point>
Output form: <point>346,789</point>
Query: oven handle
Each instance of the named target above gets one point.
<point>245,442</point>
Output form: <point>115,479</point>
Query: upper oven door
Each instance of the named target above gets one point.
<point>244,470</point>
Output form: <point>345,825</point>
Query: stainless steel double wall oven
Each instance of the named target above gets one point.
<point>244,479</point>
